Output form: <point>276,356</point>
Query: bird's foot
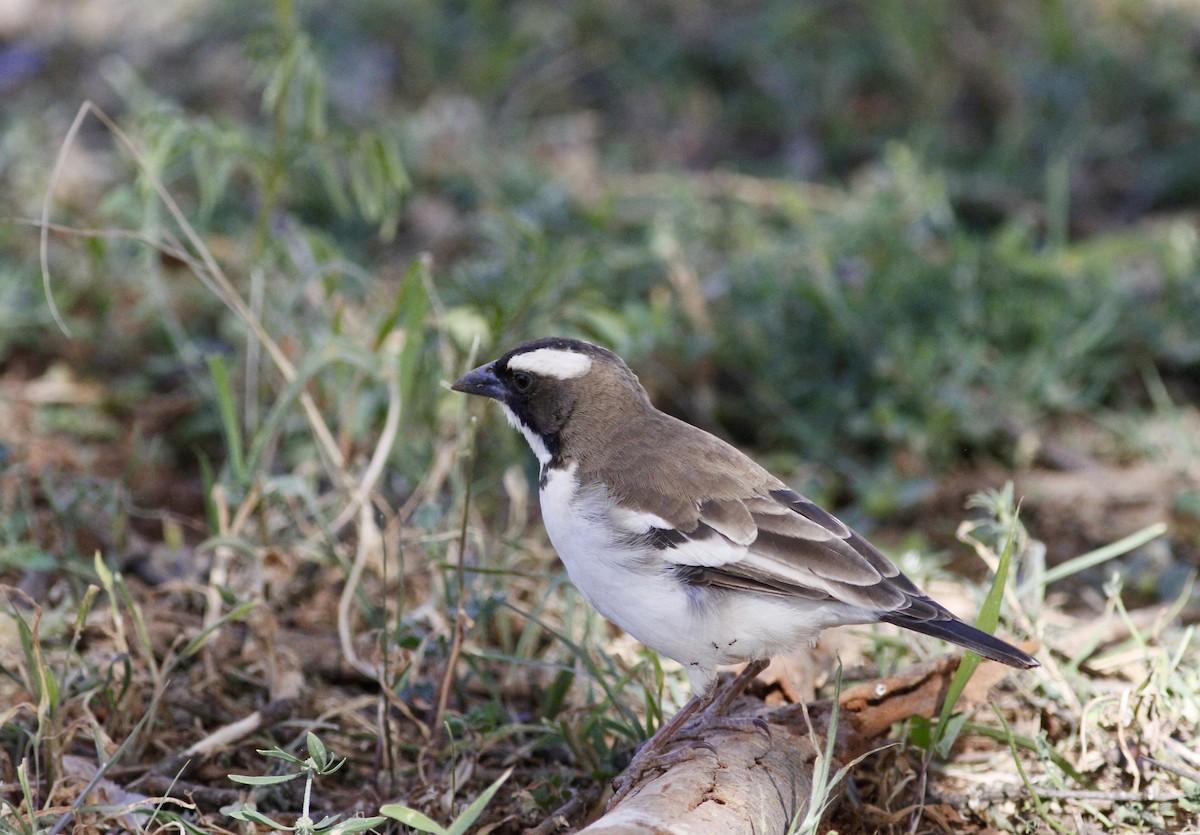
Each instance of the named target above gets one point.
<point>711,720</point>
<point>687,725</point>
<point>650,759</point>
<point>714,716</point>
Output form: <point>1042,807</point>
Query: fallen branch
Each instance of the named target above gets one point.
<point>754,782</point>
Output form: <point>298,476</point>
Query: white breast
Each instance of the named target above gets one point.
<point>618,580</point>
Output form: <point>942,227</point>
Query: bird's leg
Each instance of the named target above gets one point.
<point>736,687</point>
<point>650,754</point>
<point>713,717</point>
<point>710,706</point>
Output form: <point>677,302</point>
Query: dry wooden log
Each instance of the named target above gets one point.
<point>748,783</point>
<point>754,782</point>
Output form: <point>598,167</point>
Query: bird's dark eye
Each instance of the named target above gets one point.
<point>522,381</point>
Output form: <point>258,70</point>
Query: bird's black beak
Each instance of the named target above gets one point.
<point>482,381</point>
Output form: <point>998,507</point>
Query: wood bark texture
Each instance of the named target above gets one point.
<point>755,782</point>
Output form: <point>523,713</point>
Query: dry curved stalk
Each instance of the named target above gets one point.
<point>212,275</point>
<point>205,267</point>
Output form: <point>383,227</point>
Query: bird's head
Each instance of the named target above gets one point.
<point>560,391</point>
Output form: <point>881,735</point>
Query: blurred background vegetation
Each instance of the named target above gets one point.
<point>899,250</point>
<point>1001,232</point>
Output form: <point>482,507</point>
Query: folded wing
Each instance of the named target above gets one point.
<point>780,543</point>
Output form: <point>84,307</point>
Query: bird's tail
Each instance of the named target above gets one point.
<point>957,632</point>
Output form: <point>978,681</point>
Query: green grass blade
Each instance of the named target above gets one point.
<point>464,821</point>
<point>232,615</point>
<point>1037,800</point>
<point>989,617</point>
<point>1098,556</point>
<point>357,825</point>
<point>1029,743</point>
<point>229,419</point>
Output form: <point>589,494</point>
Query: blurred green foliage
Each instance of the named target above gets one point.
<point>963,277</point>
<point>886,323</point>
<point>873,324</point>
<point>995,94</point>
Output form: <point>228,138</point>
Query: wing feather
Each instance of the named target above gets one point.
<point>732,519</point>
<point>778,542</point>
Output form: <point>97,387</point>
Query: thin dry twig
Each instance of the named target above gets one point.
<point>461,620</point>
<point>370,540</point>
<point>392,348</point>
<point>1020,792</point>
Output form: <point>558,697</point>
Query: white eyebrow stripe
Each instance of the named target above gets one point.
<point>552,362</point>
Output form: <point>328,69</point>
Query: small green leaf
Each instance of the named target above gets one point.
<point>106,576</point>
<point>920,732</point>
<point>332,768</point>
<point>315,103</point>
<point>280,754</point>
<point>948,734</point>
<point>194,645</point>
<point>207,481</point>
<point>556,694</point>
<point>85,607</point>
<point>27,557</point>
<point>316,750</point>
<point>357,825</point>
<point>264,780</point>
<point>411,817</point>
<point>252,816</point>
<point>989,617</point>
<point>966,669</point>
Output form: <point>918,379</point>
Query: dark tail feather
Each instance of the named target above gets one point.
<point>957,632</point>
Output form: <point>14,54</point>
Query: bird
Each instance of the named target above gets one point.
<point>685,542</point>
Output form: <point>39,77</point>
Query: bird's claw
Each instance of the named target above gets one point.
<point>645,761</point>
<point>708,722</point>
